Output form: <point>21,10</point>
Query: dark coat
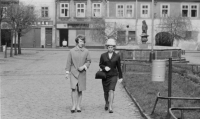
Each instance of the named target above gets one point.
<point>114,63</point>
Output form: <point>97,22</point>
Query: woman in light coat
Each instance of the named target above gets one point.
<point>78,62</point>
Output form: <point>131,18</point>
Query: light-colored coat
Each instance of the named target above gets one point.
<point>77,58</point>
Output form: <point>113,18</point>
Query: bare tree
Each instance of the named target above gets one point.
<point>175,25</point>
<point>24,23</point>
<point>1,18</point>
<point>102,30</point>
<point>21,18</point>
<point>12,15</point>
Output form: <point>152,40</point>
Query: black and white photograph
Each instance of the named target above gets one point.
<point>99,59</point>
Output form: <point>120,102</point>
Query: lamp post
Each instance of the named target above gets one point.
<point>152,53</point>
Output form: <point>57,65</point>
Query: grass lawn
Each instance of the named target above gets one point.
<point>185,83</point>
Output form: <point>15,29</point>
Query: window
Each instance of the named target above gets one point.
<point>80,9</point>
<point>120,11</point>
<point>164,10</point>
<point>131,35</point>
<point>4,12</point>
<point>190,10</point>
<point>193,10</point>
<point>45,12</point>
<point>188,34</point>
<point>129,11</point>
<point>185,10</point>
<point>121,36</point>
<point>64,9</point>
<point>96,8</point>
<point>145,11</point>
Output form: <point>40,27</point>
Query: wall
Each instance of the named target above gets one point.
<point>51,5</point>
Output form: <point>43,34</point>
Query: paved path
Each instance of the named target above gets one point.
<point>33,87</point>
<point>193,57</point>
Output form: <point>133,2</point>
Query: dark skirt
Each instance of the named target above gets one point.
<point>109,83</point>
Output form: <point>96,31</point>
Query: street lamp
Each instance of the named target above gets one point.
<point>152,53</point>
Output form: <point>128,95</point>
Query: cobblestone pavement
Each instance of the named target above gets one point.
<point>33,87</point>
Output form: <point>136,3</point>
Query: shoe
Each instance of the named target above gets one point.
<point>72,111</point>
<point>110,111</point>
<point>106,108</point>
<point>78,110</point>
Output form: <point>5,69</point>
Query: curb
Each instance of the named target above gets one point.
<point>137,104</point>
<point>59,49</point>
<point>192,51</point>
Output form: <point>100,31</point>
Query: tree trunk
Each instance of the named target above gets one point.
<point>15,43</point>
<point>19,44</point>
<point>11,45</point>
<point>1,49</point>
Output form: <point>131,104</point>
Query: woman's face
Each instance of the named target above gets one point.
<point>80,43</point>
<point>110,48</point>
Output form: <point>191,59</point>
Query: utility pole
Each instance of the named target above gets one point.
<point>152,53</point>
<point>1,16</point>
<point>136,19</point>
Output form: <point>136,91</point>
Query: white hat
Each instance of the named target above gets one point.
<point>111,42</point>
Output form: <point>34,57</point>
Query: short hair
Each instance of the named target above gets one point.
<point>81,37</point>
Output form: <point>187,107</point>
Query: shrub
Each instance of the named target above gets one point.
<point>164,39</point>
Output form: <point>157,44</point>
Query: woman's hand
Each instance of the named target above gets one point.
<point>82,68</point>
<point>67,76</point>
<point>120,80</point>
<point>107,68</point>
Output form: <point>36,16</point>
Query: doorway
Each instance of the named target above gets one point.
<point>6,37</point>
<point>48,38</point>
<point>63,36</point>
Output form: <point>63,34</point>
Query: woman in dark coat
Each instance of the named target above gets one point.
<point>110,64</point>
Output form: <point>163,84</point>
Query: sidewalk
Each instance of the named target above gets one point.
<point>192,56</point>
<point>33,87</point>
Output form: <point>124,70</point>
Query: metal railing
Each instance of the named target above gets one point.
<point>176,108</point>
<point>181,109</point>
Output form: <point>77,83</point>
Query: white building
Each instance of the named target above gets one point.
<point>43,34</point>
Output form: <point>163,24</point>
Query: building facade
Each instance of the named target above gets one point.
<point>76,17</point>
<point>129,14</point>
<point>43,32</point>
<point>5,28</point>
<point>65,19</point>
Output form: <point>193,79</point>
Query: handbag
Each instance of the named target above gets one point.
<point>100,75</point>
